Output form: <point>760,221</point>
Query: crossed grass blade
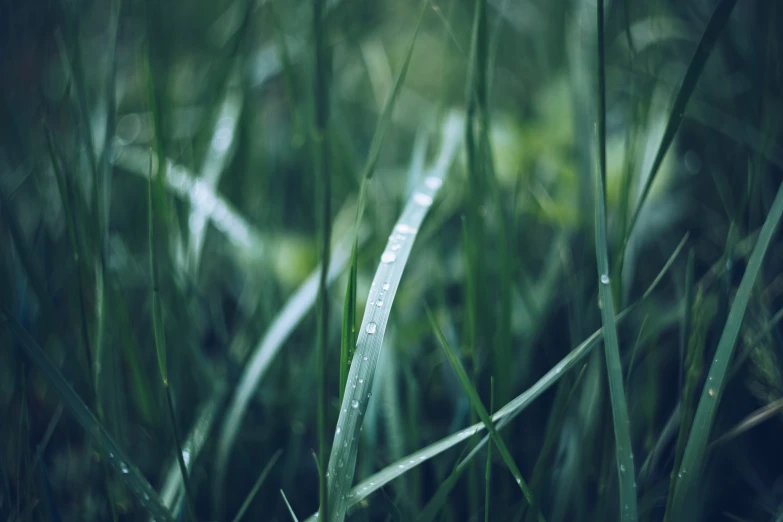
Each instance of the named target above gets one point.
<point>693,458</point>
<point>342,460</point>
<point>348,338</point>
<point>133,478</point>
<point>503,416</point>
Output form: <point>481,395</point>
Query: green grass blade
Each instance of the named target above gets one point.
<point>715,26</point>
<point>475,400</point>
<point>622,434</point>
<point>342,461</point>
<point>348,339</point>
<point>290,509</point>
<point>133,478</point>
<point>693,459</point>
<point>503,416</point>
<point>257,485</point>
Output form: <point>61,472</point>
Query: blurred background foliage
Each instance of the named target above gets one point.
<point>223,90</point>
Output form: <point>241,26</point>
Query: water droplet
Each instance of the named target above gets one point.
<point>622,468</point>
<point>388,257</point>
<point>401,466</point>
<point>433,182</point>
<point>339,429</point>
<point>361,381</point>
<point>365,357</point>
<point>385,286</point>
<point>371,329</point>
<point>711,392</point>
<point>411,462</point>
<point>422,199</point>
<point>379,302</point>
<point>354,404</point>
<point>124,468</point>
<point>402,228</point>
<point>604,279</point>
<point>519,481</point>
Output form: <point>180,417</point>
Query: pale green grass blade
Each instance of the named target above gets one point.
<point>693,459</point>
<point>626,470</point>
<point>133,478</point>
<point>482,413</point>
<point>506,414</point>
<point>348,340</point>
<point>342,461</point>
<point>257,485</point>
<point>714,28</point>
<point>219,153</point>
<point>290,509</point>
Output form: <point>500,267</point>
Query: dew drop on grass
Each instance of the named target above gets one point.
<point>422,199</point>
<point>371,329</point>
<point>124,468</point>
<point>379,302</point>
<point>339,429</point>
<point>361,381</point>
<point>365,357</point>
<point>622,468</point>
<point>388,257</point>
<point>604,279</point>
<point>402,228</point>
<point>711,391</point>
<point>385,286</point>
<point>433,182</point>
<point>354,404</point>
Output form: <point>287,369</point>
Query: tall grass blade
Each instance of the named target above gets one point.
<point>475,401</point>
<point>693,459</point>
<point>614,368</point>
<point>348,340</point>
<point>145,493</point>
<point>503,416</point>
<point>288,505</point>
<point>715,26</point>
<point>342,461</point>
<point>257,485</point>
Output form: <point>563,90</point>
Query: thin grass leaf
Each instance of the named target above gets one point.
<point>762,414</point>
<point>257,485</point>
<point>715,26</point>
<point>348,339</point>
<point>614,368</point>
<point>503,416</point>
<point>475,400</point>
<point>488,470</point>
<point>133,478</point>
<point>693,459</point>
<point>342,461</point>
<point>290,509</point>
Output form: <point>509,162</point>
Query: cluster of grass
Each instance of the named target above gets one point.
<point>557,220</point>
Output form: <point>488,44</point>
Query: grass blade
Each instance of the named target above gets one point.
<point>693,459</point>
<point>133,478</point>
<point>503,416</point>
<point>614,368</point>
<point>257,485</point>
<point>348,340</point>
<point>715,26</point>
<point>288,505</point>
<point>370,338</point>
<point>475,400</point>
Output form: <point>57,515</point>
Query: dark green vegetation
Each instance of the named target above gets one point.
<point>399,260</point>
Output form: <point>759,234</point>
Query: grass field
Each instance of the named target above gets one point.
<point>392,260</point>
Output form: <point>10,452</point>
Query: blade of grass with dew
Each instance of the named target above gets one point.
<point>133,478</point>
<point>715,26</point>
<point>503,416</point>
<point>322,78</point>
<point>626,470</point>
<point>342,461</point>
<point>693,459</point>
<point>762,414</point>
<point>199,195</point>
<point>348,340</point>
<point>257,485</point>
<point>475,400</point>
<point>488,470</point>
<point>159,331</point>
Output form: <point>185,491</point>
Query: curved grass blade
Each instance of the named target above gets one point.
<point>614,368</point>
<point>693,459</point>
<point>342,460</point>
<point>483,415</point>
<point>715,26</point>
<point>348,340</point>
<point>257,485</point>
<point>505,415</point>
<point>133,478</point>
